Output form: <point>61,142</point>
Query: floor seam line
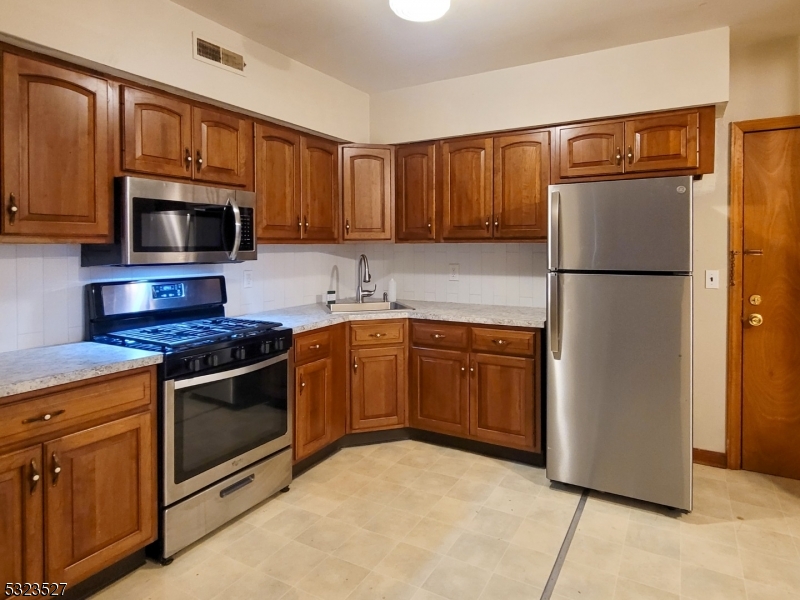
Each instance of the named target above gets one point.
<point>550,587</point>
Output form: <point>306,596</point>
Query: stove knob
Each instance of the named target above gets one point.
<point>280,343</point>
<point>212,360</point>
<point>193,363</point>
<point>239,353</point>
<point>266,347</point>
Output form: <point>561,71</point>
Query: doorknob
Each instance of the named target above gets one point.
<point>755,320</point>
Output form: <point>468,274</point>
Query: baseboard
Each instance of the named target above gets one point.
<point>710,458</point>
<point>92,585</point>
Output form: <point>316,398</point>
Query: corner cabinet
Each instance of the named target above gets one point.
<point>56,178</point>
<point>367,192</point>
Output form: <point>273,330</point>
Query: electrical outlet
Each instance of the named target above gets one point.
<point>712,279</point>
<point>454,272</point>
<point>247,279</point>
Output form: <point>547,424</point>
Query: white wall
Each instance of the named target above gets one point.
<point>153,39</point>
<point>688,70</point>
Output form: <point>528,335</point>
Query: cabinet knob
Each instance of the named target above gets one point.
<point>35,477</point>
<point>347,225</point>
<point>188,159</point>
<point>13,209</point>
<point>472,369</point>
<point>199,160</point>
<point>438,336</point>
<point>496,223</point>
<point>618,157</point>
<point>56,468</point>
<point>500,342</point>
<point>306,224</point>
<point>430,226</point>
<point>463,369</point>
<point>355,365</point>
<point>488,222</point>
<point>299,223</point>
<point>302,386</point>
<point>630,155</point>
<point>377,335</point>
<point>45,417</point>
<point>314,347</point>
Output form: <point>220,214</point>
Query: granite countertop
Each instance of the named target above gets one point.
<point>314,316</point>
<point>38,368</point>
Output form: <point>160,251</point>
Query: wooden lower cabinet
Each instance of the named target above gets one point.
<point>438,398</point>
<point>21,531</point>
<point>100,497</point>
<point>501,408</point>
<point>314,407</point>
<point>378,388</point>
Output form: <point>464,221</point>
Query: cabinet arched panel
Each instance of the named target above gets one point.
<point>223,147</point>
<point>661,143</point>
<point>278,183</point>
<point>595,149</point>
<point>416,192</point>
<point>467,189</point>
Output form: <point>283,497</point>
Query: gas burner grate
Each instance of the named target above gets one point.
<point>192,332</point>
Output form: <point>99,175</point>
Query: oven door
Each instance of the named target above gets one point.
<point>215,425</point>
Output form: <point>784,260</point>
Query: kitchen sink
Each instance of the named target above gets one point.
<point>366,306</point>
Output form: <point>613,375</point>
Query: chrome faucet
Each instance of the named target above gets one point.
<point>363,277</point>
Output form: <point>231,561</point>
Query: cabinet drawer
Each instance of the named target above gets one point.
<point>312,346</point>
<point>503,341</point>
<point>55,411</point>
<point>437,335</point>
<point>377,333</point>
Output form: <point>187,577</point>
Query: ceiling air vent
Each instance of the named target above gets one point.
<point>213,53</point>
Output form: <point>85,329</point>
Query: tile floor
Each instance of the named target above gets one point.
<point>413,521</point>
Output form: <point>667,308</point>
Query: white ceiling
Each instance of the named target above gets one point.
<point>363,43</point>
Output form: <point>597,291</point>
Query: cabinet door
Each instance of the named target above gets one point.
<point>502,400</point>
<point>320,191</point>
<point>594,149</point>
<point>278,183</point>
<point>314,407</point>
<point>438,399</point>
<point>100,497</point>
<point>156,134</point>
<point>367,192</point>
<point>223,147</point>
<point>467,189</point>
<point>521,177</point>
<point>662,143</point>
<point>378,388</point>
<point>55,177</point>
<point>416,192</point>
<point>21,522</point>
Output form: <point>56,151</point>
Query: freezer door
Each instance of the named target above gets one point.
<point>619,376</point>
<point>633,225</point>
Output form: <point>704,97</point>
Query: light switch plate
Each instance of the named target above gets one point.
<point>454,272</point>
<point>247,279</point>
<point>712,279</point>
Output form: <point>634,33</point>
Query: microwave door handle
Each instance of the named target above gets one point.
<point>237,218</point>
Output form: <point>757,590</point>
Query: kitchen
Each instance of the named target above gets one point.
<point>479,291</point>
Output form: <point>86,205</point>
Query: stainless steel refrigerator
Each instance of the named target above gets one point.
<point>619,338</point>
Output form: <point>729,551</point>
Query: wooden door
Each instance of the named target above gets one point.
<point>502,400</point>
<point>438,398</point>
<point>416,192</point>
<point>521,177</point>
<point>378,388</point>
<point>467,189</point>
<point>156,134</point>
<point>55,177</point>
<point>278,183</point>
<point>367,192</point>
<point>21,521</point>
<point>100,497</point>
<point>662,143</point>
<point>314,411</point>
<point>223,147</point>
<point>771,377</point>
<point>594,149</point>
<point>320,190</point>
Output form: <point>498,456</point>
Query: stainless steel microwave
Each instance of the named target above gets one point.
<point>164,223</point>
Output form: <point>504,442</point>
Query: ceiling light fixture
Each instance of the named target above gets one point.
<point>420,10</point>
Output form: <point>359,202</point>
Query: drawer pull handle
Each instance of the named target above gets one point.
<point>438,336</point>
<point>44,417</point>
<point>377,335</point>
<point>314,347</point>
<point>35,477</point>
<point>500,342</point>
<point>237,486</point>
<point>56,469</point>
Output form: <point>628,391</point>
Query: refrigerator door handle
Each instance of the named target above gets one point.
<point>553,316</point>
<point>555,228</point>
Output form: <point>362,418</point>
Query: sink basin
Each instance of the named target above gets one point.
<point>366,306</point>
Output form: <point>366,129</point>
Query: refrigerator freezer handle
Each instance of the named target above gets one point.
<point>555,228</point>
<point>553,316</point>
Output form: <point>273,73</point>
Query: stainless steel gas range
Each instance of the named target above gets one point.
<point>225,419</point>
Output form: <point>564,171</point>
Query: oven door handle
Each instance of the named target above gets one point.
<point>193,381</point>
<point>237,219</point>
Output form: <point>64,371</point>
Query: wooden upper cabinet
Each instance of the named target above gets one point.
<point>55,168</point>
<point>416,191</point>
<point>521,177</point>
<point>438,398</point>
<point>156,134</point>
<point>658,143</point>
<point>21,532</point>
<point>313,407</point>
<point>278,183</point>
<point>320,189</point>
<point>100,497</point>
<point>378,388</point>
<point>467,189</point>
<point>223,147</point>
<point>593,149</point>
<point>367,192</point>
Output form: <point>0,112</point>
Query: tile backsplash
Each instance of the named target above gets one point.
<point>41,286</point>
